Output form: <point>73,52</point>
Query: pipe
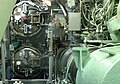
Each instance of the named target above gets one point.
<point>62,8</point>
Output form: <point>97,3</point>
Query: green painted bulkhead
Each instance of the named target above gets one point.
<point>6,7</point>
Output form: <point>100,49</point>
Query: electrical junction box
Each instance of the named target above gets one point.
<point>74,21</point>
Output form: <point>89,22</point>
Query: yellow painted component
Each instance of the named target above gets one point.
<point>6,7</point>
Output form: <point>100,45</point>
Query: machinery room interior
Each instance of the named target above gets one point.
<point>59,41</point>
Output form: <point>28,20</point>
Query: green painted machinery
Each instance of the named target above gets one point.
<point>114,26</point>
<point>101,66</point>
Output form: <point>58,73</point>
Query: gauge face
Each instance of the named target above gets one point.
<point>27,61</point>
<point>27,20</point>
